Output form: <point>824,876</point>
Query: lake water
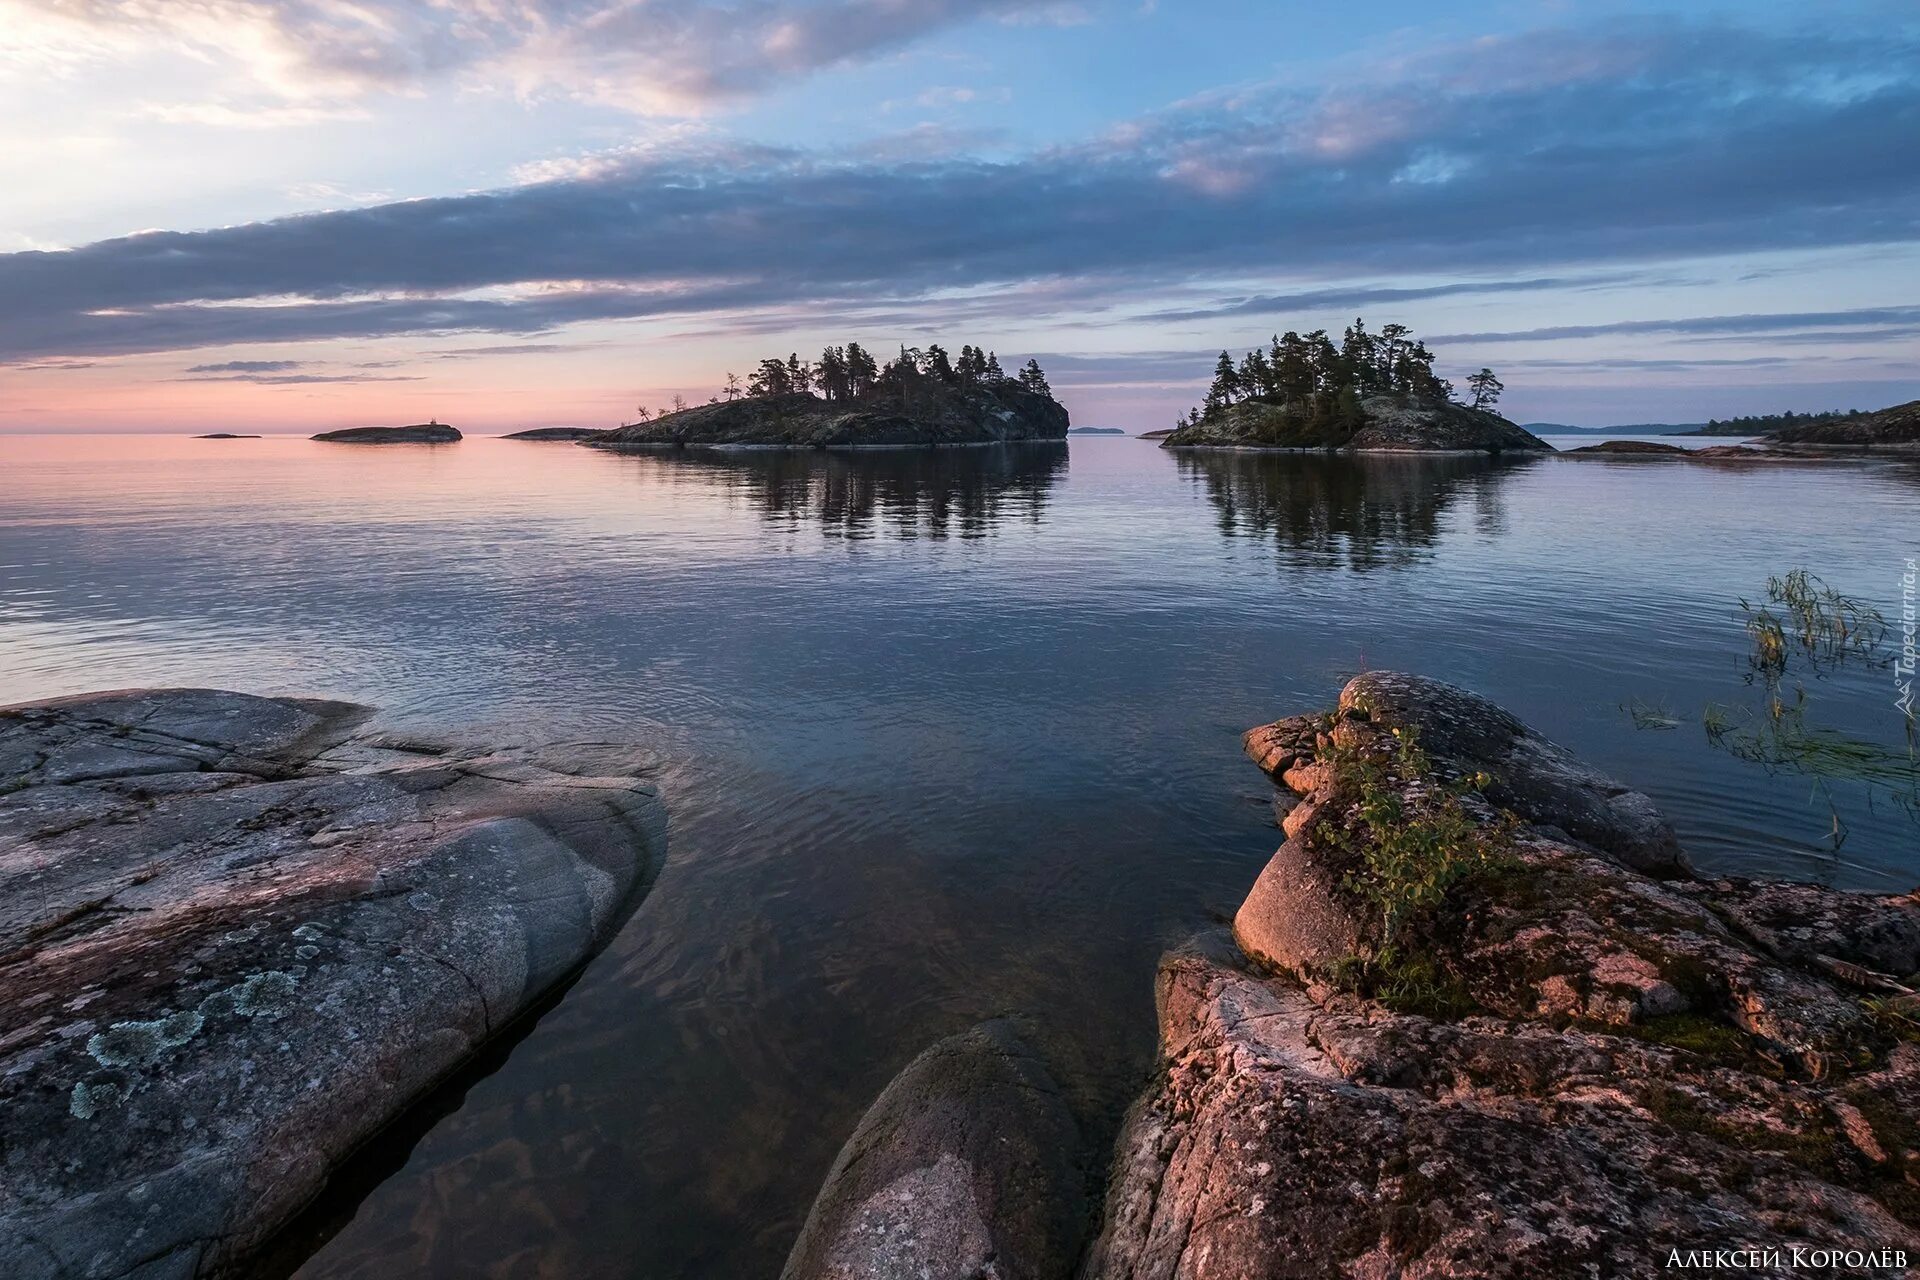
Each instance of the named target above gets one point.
<point>944,734</point>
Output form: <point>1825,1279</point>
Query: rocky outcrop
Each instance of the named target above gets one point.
<point>419,433</point>
<point>967,1166</point>
<point>929,413</point>
<point>1467,735</point>
<point>557,434</point>
<point>1385,424</point>
<point>1556,1065</point>
<point>225,435</point>
<point>1895,428</point>
<point>238,935</point>
<point>1627,448</point>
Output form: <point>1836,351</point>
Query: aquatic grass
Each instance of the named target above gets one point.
<point>1827,625</point>
<point>1651,715</point>
<point>1804,617</point>
<point>1779,738</point>
<point>1768,637</point>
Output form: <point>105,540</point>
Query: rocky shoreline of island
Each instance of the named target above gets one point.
<point>1370,393</point>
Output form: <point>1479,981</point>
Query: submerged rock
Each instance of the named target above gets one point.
<point>1558,1065</point>
<point>419,433</point>
<point>239,935</point>
<point>1387,424</point>
<point>967,1166</point>
<point>928,413</point>
<point>225,435</point>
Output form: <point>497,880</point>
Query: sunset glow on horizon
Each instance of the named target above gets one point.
<point>273,216</point>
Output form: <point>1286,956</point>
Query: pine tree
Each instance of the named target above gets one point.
<point>1034,380</point>
<point>799,373</point>
<point>1226,381</point>
<point>994,372</point>
<point>862,370</point>
<point>1483,389</point>
<point>1357,356</point>
<point>939,365</point>
<point>832,374</point>
<point>772,379</point>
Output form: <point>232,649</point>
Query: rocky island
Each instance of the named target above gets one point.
<point>419,433</point>
<point>1629,448</point>
<point>1372,393</point>
<point>556,434</point>
<point>848,400</point>
<point>239,935</point>
<point>1894,428</point>
<point>1478,1016</point>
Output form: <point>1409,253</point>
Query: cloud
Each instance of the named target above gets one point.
<point>670,56</point>
<point>1742,325</point>
<point>1345,297</point>
<point>246,366</point>
<point>301,379</point>
<point>508,349</point>
<point>228,115</point>
<point>1752,142</point>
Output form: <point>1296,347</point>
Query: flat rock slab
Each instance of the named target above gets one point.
<point>239,935</point>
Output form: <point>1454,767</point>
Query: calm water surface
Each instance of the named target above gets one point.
<point>945,735</point>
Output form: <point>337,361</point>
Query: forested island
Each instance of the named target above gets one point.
<point>1760,424</point>
<point>849,399</point>
<point>1372,392</point>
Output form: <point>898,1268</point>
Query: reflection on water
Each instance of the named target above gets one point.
<point>1363,512</point>
<point>949,734</point>
<point>933,493</point>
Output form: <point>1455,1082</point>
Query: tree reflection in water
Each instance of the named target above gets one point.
<point>904,493</point>
<point>1361,511</point>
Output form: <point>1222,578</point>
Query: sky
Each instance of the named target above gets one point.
<point>291,215</point>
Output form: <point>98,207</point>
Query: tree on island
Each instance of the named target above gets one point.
<point>1322,384</point>
<point>1760,423</point>
<point>850,374</point>
<point>1483,390</point>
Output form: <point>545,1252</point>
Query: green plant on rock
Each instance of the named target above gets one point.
<point>1415,840</point>
<point>1410,845</point>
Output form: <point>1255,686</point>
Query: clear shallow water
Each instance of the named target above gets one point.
<point>947,735</point>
